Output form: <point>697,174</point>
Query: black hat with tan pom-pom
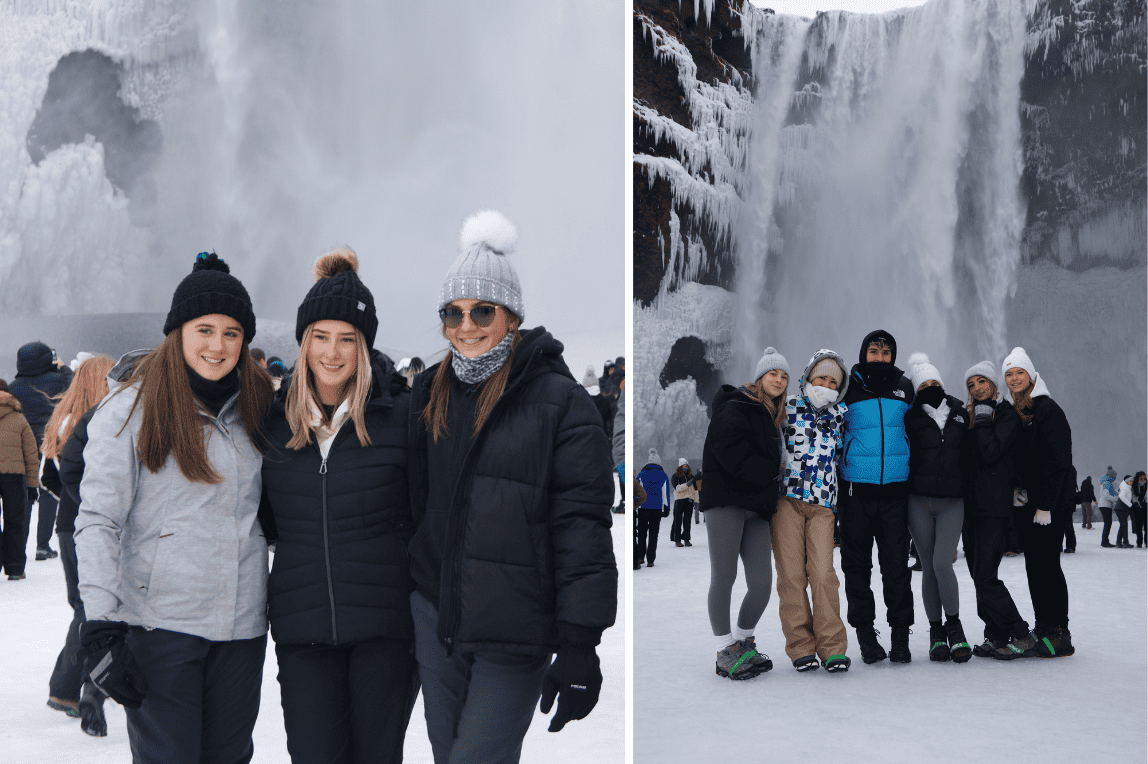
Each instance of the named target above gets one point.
<point>338,295</point>
<point>210,288</point>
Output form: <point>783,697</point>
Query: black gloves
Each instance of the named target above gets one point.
<point>575,677</point>
<point>32,495</point>
<point>665,510</point>
<point>109,663</point>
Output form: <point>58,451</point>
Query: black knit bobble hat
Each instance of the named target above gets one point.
<point>210,288</point>
<point>338,295</point>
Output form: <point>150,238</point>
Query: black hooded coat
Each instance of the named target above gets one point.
<point>37,381</point>
<point>741,458</point>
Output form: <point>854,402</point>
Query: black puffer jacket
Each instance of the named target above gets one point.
<point>742,455</point>
<point>341,525</point>
<point>989,463</point>
<point>528,559</point>
<point>1044,458</point>
<point>935,467</point>
<point>37,381</point>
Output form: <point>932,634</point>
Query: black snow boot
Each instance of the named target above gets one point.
<point>988,647</point>
<point>871,650</point>
<point>938,643</point>
<point>958,645</point>
<point>899,651</point>
<point>92,719</point>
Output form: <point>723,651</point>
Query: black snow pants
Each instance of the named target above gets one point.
<point>984,539</point>
<point>1106,513</point>
<point>680,530</point>
<point>349,702</point>
<point>202,698</point>
<point>646,538</point>
<point>67,677</point>
<point>1046,583</point>
<point>14,537</point>
<point>1121,510</point>
<point>881,514</point>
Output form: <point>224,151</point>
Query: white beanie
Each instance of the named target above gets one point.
<point>1018,359</point>
<point>769,361</point>
<point>682,461</point>
<point>983,369</point>
<point>589,379</point>
<point>81,356</point>
<point>654,456</point>
<point>920,370</point>
<point>482,270</point>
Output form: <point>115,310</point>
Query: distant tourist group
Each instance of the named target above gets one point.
<point>448,529</point>
<point>892,458</point>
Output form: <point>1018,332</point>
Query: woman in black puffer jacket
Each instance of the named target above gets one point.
<point>511,489</point>
<point>336,500</point>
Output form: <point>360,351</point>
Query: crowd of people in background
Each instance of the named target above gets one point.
<point>880,455</point>
<point>382,490</point>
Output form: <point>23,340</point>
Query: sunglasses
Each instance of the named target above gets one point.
<point>481,315</point>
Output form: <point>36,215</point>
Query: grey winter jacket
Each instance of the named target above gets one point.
<point>156,550</point>
<point>619,440</point>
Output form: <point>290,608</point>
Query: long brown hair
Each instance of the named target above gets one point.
<point>775,406</point>
<point>434,415</point>
<point>88,386</point>
<point>1022,402</point>
<point>971,404</point>
<point>171,422</point>
<point>303,397</point>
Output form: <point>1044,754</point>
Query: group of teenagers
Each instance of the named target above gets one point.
<point>450,533</point>
<point>895,456</point>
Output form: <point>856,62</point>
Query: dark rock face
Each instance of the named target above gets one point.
<point>83,99</point>
<point>687,360</point>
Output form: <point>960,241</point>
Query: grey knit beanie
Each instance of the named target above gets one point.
<point>482,270</point>
<point>769,361</point>
<point>986,369</point>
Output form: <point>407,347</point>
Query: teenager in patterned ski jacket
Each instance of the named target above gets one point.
<point>802,526</point>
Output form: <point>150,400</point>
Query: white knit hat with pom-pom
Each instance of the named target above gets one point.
<point>920,370</point>
<point>482,270</point>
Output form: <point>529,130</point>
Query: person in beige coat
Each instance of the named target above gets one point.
<point>19,463</point>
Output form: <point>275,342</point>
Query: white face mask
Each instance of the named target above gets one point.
<point>819,396</point>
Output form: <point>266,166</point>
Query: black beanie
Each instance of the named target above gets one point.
<point>883,336</point>
<point>338,295</point>
<point>210,288</point>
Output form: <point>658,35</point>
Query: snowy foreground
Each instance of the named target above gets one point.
<point>35,616</point>
<point>1088,707</point>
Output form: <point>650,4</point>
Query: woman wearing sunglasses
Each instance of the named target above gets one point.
<point>335,481</point>
<point>511,490</point>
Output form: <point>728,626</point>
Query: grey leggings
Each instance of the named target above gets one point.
<point>733,531</point>
<point>936,528</point>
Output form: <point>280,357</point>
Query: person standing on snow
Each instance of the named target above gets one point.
<point>683,504</point>
<point>742,462</point>
<point>874,500</point>
<point>988,461</point>
<point>1123,508</point>
<point>1105,502</point>
<point>171,557</point>
<point>19,465</point>
<point>601,402</point>
<point>936,424</point>
<point>1139,507</point>
<point>511,489</point>
<point>1087,502</point>
<point>335,485</point>
<point>38,384</point>
<point>802,526</point>
<point>648,518</point>
<point>1043,463</point>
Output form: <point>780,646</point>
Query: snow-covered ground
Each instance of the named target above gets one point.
<point>1088,707</point>
<point>34,617</point>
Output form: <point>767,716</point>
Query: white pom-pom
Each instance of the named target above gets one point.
<point>489,228</point>
<point>918,358</point>
<point>770,351</point>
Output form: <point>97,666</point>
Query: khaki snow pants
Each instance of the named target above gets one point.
<point>803,553</point>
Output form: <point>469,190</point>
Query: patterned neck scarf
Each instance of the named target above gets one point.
<point>471,371</point>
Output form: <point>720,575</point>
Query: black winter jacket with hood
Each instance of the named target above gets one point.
<point>528,561</point>
<point>741,458</point>
<point>1044,455</point>
<point>37,381</point>
<point>341,525</point>
<point>989,451</point>
<point>935,454</point>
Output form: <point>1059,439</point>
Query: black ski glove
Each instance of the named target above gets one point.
<point>33,494</point>
<point>575,677</point>
<point>665,510</point>
<point>109,663</point>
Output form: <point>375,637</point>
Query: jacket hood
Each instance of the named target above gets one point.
<point>10,401</point>
<point>878,334</point>
<point>537,353</point>
<point>33,359</point>
<point>123,368</point>
<point>653,466</point>
<point>816,359</point>
<point>730,394</point>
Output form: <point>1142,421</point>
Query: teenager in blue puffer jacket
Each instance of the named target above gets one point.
<point>874,496</point>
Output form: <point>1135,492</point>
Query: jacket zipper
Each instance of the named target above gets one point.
<point>327,554</point>
<point>881,419</point>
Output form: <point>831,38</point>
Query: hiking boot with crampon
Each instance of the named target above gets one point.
<point>959,648</point>
<point>1017,647</point>
<point>938,644</point>
<point>899,650</point>
<point>871,650</point>
<point>1054,642</point>
<point>736,662</point>
<point>988,647</point>
<point>759,660</point>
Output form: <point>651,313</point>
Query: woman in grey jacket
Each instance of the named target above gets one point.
<point>172,561</point>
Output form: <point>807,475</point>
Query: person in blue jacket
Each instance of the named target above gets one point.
<point>648,518</point>
<point>873,502</point>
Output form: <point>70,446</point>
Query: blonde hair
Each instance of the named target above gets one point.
<point>303,395</point>
<point>88,387</point>
<point>775,406</point>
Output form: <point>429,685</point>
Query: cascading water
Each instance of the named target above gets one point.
<point>885,183</point>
